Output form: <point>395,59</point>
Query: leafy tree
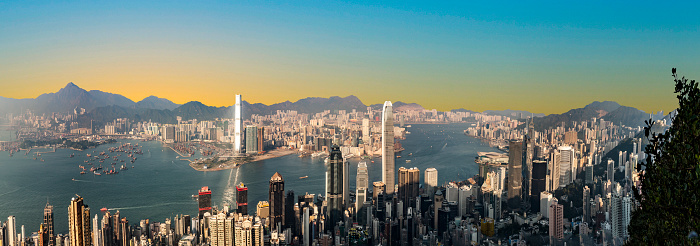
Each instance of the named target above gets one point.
<point>668,211</point>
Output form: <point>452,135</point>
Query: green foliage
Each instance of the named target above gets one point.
<point>574,192</point>
<point>669,208</point>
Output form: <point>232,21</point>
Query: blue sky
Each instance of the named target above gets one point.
<point>543,57</point>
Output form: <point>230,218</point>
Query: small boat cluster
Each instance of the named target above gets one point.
<point>119,156</point>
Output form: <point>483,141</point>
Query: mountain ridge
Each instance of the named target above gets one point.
<point>73,97</point>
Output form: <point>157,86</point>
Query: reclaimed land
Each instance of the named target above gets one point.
<point>224,163</point>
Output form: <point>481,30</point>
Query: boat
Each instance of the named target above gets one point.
<point>97,173</point>
<point>82,172</point>
<point>303,177</point>
<point>73,179</point>
<point>72,155</point>
<point>408,161</point>
<point>103,209</point>
<point>410,154</point>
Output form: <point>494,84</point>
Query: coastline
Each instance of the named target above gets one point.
<point>235,162</point>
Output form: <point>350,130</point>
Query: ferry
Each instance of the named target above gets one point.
<point>303,177</point>
<point>103,209</point>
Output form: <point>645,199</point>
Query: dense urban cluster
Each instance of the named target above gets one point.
<point>550,187</point>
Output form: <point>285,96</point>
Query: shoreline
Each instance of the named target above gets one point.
<point>236,162</point>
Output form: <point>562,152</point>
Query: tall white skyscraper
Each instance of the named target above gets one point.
<point>11,231</point>
<point>365,131</point>
<point>237,125</point>
<point>431,180</point>
<point>566,162</point>
<point>388,147</point>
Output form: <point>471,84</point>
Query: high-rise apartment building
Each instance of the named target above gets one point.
<point>586,204</point>
<point>556,220</point>
<point>388,148</point>
<point>221,230</point>
<point>620,206</point>
<point>277,211</point>
<point>248,231</point>
<point>611,171</point>
<point>79,222</point>
<point>261,138</point>
<point>251,139</point>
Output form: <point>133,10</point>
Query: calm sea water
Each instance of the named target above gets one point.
<point>161,185</point>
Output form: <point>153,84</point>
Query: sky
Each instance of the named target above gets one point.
<point>543,57</point>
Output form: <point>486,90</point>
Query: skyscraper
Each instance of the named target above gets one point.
<point>538,183</point>
<point>365,131</point>
<point>554,171</point>
<point>611,171</point>
<point>242,199</point>
<point>586,204</point>
<point>204,201</point>
<point>409,179</point>
<point>237,125</point>
<point>361,185</point>
<point>334,184</point>
<point>515,163</point>
<point>566,165</point>
<point>261,138</point>
<point>277,211</point>
<point>48,223</point>
<point>529,152</point>
<point>221,230</point>
<point>79,222</point>
<point>251,139</point>
<point>431,181</point>
<point>388,147</point>
<point>620,217</point>
<point>556,220</point>
<point>362,178</point>
<point>11,231</point>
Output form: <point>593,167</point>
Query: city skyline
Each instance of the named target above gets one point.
<point>473,55</point>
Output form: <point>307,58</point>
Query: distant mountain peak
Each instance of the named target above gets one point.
<point>154,102</point>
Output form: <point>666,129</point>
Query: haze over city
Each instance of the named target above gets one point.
<point>544,58</point>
